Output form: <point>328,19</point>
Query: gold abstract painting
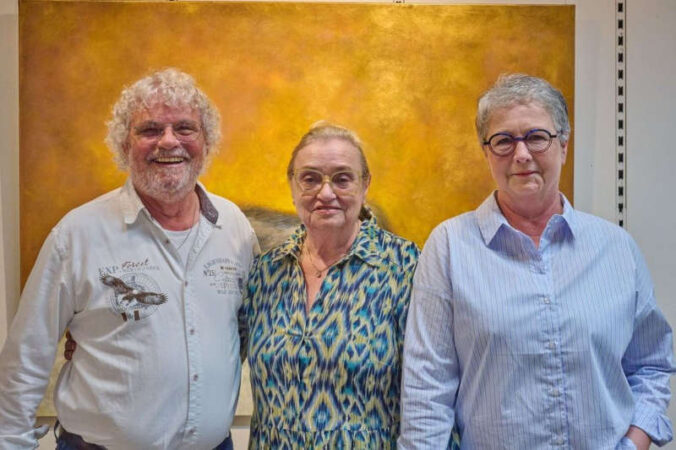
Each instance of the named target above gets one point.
<point>405,77</point>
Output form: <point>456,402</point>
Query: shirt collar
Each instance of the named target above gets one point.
<point>490,219</point>
<point>364,247</point>
<point>132,204</point>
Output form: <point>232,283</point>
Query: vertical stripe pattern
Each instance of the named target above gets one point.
<point>559,346</point>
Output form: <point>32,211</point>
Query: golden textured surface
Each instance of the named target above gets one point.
<point>405,77</point>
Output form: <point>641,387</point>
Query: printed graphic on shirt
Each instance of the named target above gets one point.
<point>134,296</point>
<point>225,275</point>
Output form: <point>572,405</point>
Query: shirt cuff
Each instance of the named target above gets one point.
<point>656,425</point>
<point>27,440</point>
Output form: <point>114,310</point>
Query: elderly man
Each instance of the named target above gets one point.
<point>148,279</point>
<point>533,325</point>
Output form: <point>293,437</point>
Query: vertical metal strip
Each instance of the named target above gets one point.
<point>620,113</point>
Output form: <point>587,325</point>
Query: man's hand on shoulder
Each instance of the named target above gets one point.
<point>71,345</point>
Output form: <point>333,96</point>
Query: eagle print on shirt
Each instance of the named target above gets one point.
<point>135,296</point>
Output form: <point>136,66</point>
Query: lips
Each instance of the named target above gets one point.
<point>524,174</point>
<point>326,208</point>
<point>168,159</point>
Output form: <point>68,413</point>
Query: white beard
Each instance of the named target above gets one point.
<point>166,183</point>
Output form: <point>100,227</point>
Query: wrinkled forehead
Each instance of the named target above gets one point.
<point>329,155</point>
<point>523,110</point>
<point>158,110</point>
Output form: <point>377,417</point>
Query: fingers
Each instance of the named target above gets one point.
<point>71,345</point>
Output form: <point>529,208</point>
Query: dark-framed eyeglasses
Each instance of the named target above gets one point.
<point>185,131</point>
<point>310,181</point>
<point>536,141</point>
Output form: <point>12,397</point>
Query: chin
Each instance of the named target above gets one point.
<point>330,221</point>
<point>326,223</point>
<point>526,189</point>
<point>166,188</point>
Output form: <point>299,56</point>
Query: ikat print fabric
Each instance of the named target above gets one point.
<point>329,378</point>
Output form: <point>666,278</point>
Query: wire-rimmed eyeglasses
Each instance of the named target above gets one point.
<point>310,181</point>
<point>536,141</point>
<point>184,130</point>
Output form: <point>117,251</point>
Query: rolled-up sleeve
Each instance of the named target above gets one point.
<point>430,368</point>
<point>648,361</point>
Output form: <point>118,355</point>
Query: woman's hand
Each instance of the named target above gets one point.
<point>639,437</point>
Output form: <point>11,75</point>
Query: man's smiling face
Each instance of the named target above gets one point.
<point>166,151</point>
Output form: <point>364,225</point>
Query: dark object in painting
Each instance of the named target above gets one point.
<point>274,227</point>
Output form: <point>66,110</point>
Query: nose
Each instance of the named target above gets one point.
<point>521,152</point>
<point>168,139</point>
<point>326,191</point>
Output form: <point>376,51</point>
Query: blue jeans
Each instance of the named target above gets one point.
<point>226,444</point>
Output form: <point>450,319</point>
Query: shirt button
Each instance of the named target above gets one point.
<point>551,345</point>
<point>191,431</point>
<point>559,440</point>
<point>195,377</point>
<point>166,242</point>
<point>555,392</point>
<point>546,300</point>
<point>192,331</point>
<point>186,282</point>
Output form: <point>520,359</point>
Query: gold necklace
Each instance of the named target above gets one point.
<point>318,271</point>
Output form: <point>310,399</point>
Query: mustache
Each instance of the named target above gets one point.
<point>178,152</point>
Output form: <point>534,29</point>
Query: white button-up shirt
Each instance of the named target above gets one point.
<point>157,364</point>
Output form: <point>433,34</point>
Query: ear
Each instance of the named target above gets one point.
<point>483,149</point>
<point>564,152</point>
<point>367,183</point>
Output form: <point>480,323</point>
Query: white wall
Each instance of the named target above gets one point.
<point>9,162</point>
<point>651,118</point>
<point>651,149</point>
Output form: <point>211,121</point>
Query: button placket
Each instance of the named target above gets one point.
<point>193,361</point>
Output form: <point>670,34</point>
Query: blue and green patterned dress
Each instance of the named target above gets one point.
<point>329,378</point>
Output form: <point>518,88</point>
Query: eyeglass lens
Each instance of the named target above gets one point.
<point>535,140</point>
<point>313,180</point>
<point>185,131</point>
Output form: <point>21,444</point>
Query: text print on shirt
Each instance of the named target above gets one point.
<point>226,276</point>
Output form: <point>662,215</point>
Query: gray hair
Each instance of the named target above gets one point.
<point>169,87</point>
<point>520,89</point>
<point>322,131</point>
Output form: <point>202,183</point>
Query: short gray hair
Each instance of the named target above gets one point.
<point>169,87</point>
<point>520,89</point>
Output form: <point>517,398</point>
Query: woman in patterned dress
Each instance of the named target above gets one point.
<point>325,311</point>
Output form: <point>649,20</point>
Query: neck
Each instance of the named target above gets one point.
<point>530,218</point>
<point>329,246</point>
<point>175,214</point>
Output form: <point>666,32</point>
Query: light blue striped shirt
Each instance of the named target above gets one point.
<point>560,346</point>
